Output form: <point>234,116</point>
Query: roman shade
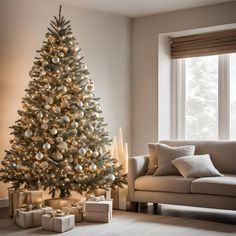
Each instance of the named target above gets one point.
<point>206,44</point>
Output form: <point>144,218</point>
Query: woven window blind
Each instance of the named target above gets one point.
<point>207,44</point>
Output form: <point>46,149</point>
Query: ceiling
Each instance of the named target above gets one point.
<point>137,8</point>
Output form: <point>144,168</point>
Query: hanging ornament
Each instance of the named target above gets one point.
<point>65,119</point>
<point>61,54</point>
<point>65,49</point>
<point>67,68</point>
<point>47,106</point>
<point>79,104</point>
<point>111,178</point>
<point>65,104</point>
<point>78,168</point>
<point>82,151</point>
<point>75,48</point>
<point>54,131</point>
<point>67,169</point>
<point>57,110</point>
<point>89,88</point>
<point>12,165</point>
<point>74,124</point>
<point>68,80</point>
<point>58,156</point>
<point>62,146</point>
<point>59,139</point>
<point>74,143</point>
<point>44,126</point>
<point>48,86</point>
<point>28,133</point>
<point>89,153</point>
<point>44,165</point>
<point>50,100</point>
<point>74,131</point>
<point>46,146</point>
<point>39,156</point>
<point>92,167</point>
<point>95,154</point>
<point>28,176</point>
<point>39,115</point>
<point>55,60</point>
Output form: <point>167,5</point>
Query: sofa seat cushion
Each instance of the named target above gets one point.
<point>172,183</point>
<point>225,186</point>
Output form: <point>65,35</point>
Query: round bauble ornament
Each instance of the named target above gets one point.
<point>12,165</point>
<point>14,146</point>
<point>59,139</point>
<point>44,126</point>
<point>82,151</point>
<point>57,110</point>
<point>111,178</point>
<point>61,54</point>
<point>53,131</point>
<point>65,49</point>
<point>48,86</point>
<point>39,115</point>
<point>62,89</point>
<point>28,133</point>
<point>83,137</point>
<point>58,156</point>
<point>67,68</point>
<point>28,176</point>
<point>74,131</point>
<point>78,168</point>
<point>79,104</point>
<point>67,169</point>
<point>55,60</point>
<point>39,156</point>
<point>44,165</point>
<point>65,119</point>
<point>84,67</point>
<point>47,146</point>
<point>68,80</point>
<point>89,88</point>
<point>92,167</point>
<point>62,146</point>
<point>47,106</point>
<point>74,124</point>
<point>75,48</point>
<point>95,154</point>
<point>50,100</point>
<point>74,143</point>
<point>65,104</point>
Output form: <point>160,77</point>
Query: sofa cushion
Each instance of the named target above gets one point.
<point>225,186</point>
<point>166,154</point>
<point>172,183</point>
<point>153,157</point>
<point>196,166</point>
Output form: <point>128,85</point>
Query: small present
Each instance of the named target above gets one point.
<point>120,198</point>
<point>58,203</point>
<point>98,211</point>
<point>58,222</point>
<point>99,192</point>
<point>75,209</point>
<point>30,218</point>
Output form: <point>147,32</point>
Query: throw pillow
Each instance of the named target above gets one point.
<point>196,166</point>
<point>167,154</point>
<point>153,157</point>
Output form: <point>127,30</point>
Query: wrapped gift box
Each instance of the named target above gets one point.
<point>99,192</point>
<point>19,197</point>
<point>32,218</point>
<point>58,223</point>
<point>98,211</point>
<point>120,198</point>
<point>58,203</point>
<point>74,210</point>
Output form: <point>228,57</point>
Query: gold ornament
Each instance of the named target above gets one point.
<point>28,176</point>
<point>50,100</point>
<point>44,165</point>
<point>39,115</point>
<point>67,169</point>
<point>44,126</point>
<point>57,110</point>
<point>59,139</point>
<point>62,146</point>
<point>58,156</point>
<point>65,119</point>
<point>89,153</point>
<point>65,104</point>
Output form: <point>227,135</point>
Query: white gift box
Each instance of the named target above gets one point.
<point>98,211</point>
<point>58,223</point>
<point>73,210</point>
<point>32,218</point>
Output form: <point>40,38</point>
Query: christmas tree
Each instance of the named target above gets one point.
<point>60,142</point>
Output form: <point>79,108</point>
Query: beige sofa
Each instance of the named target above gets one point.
<point>210,192</point>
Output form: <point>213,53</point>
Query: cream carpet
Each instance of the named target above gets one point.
<point>134,224</point>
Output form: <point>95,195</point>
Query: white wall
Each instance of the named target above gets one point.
<point>144,62</point>
<point>105,42</point>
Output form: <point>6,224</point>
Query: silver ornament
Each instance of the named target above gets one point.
<point>68,80</point>
<point>12,165</point>
<point>63,89</point>
<point>47,106</point>
<point>39,156</point>
<point>59,139</point>
<point>67,68</point>
<point>46,146</point>
<point>95,154</point>
<point>28,133</point>
<point>75,48</point>
<point>53,131</point>
<point>58,156</point>
<point>92,167</point>
<point>50,100</point>
<point>28,176</point>
<point>61,54</point>
<point>44,165</point>
<point>89,88</point>
<point>78,168</point>
<point>67,169</point>
<point>65,119</point>
<point>74,124</point>
<point>82,151</point>
<point>79,104</point>
<point>111,178</point>
<point>39,115</point>
<point>57,110</point>
<point>55,60</point>
<point>44,126</point>
<point>62,146</point>
<point>74,143</point>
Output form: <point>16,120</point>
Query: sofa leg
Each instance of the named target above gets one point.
<point>155,208</point>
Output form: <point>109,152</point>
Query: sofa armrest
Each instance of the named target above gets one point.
<point>137,166</point>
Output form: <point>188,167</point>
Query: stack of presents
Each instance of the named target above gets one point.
<point>29,209</point>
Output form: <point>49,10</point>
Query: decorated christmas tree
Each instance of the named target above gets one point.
<point>60,142</point>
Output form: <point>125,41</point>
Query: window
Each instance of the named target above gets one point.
<point>205,106</point>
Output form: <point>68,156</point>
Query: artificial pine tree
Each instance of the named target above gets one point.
<point>60,142</point>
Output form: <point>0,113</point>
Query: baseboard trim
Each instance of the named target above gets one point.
<point>4,202</point>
